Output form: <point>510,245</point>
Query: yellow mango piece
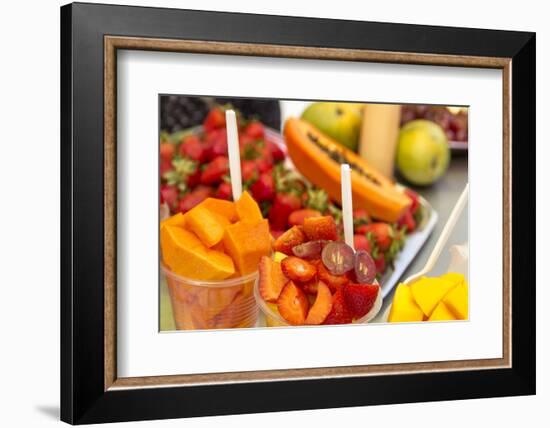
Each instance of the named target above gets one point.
<point>457,301</point>
<point>404,308</point>
<point>248,209</point>
<point>222,207</point>
<point>455,278</point>
<point>185,254</point>
<point>279,257</point>
<point>246,243</point>
<point>209,226</point>
<point>441,313</point>
<point>428,292</point>
<point>175,220</point>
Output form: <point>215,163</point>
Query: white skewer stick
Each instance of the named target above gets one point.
<point>443,238</point>
<point>347,203</point>
<point>234,154</point>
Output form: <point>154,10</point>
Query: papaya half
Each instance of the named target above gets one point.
<point>318,158</point>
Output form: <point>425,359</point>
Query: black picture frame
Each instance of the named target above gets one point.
<point>83,396</point>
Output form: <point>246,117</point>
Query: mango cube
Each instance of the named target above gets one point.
<point>428,292</point>
<point>455,278</point>
<point>222,207</point>
<point>246,243</point>
<point>248,209</point>
<point>185,254</point>
<point>404,308</point>
<point>208,225</point>
<point>457,301</point>
<point>441,313</point>
<point>175,220</point>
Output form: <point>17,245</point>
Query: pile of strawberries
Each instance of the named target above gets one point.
<point>303,290</point>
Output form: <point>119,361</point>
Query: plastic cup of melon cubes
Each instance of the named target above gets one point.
<point>207,305</point>
<point>274,319</point>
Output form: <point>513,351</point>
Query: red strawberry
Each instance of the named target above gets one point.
<point>194,179</point>
<point>216,142</point>
<point>298,269</point>
<point>214,119</point>
<point>339,314</point>
<point>288,240</point>
<point>277,153</point>
<point>323,227</point>
<point>255,130</point>
<point>415,200</point>
<point>271,279</point>
<point>361,242</point>
<point>170,195</point>
<point>165,166</point>
<point>334,282</point>
<point>361,214</point>
<point>383,234</point>
<point>311,287</point>
<point>264,188</point>
<point>297,217</point>
<point>283,205</point>
<point>193,148</point>
<point>224,191</point>
<point>249,172</point>
<point>380,263</point>
<point>360,298</point>
<point>408,221</point>
<point>194,198</point>
<point>167,151</point>
<point>215,170</point>
<point>293,304</point>
<point>264,164</point>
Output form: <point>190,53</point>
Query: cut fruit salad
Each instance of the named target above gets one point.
<point>313,278</point>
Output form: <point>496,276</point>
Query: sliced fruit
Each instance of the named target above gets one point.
<point>208,225</point>
<point>310,287</point>
<point>334,282</point>
<point>293,304</point>
<point>248,209</point>
<point>309,250</point>
<point>175,220</point>
<point>320,228</point>
<point>365,269</point>
<point>271,280</point>
<point>338,258</point>
<point>321,307</point>
<point>455,278</point>
<point>441,313</point>
<point>298,269</point>
<point>279,257</point>
<point>340,313</point>
<point>360,298</point>
<point>457,300</point>
<point>404,308</point>
<point>297,217</point>
<point>246,243</point>
<point>225,208</point>
<point>428,292</point>
<point>318,158</point>
<point>288,240</point>
<point>185,254</point>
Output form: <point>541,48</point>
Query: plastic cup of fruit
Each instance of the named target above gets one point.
<point>274,319</point>
<point>201,305</point>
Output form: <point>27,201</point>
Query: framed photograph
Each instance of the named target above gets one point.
<point>267,213</point>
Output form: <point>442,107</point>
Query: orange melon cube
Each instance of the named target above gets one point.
<point>248,209</point>
<point>185,254</point>
<point>246,243</point>
<point>208,225</point>
<point>222,207</point>
<point>175,220</point>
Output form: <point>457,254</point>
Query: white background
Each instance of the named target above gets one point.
<point>29,219</point>
<point>144,352</point>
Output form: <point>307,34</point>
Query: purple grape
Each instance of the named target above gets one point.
<point>365,269</point>
<point>338,258</point>
<point>309,250</point>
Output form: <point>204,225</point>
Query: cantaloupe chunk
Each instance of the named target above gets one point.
<point>208,225</point>
<point>222,207</point>
<point>457,300</point>
<point>246,243</point>
<point>404,308</point>
<point>441,313</point>
<point>185,254</point>
<point>428,292</point>
<point>175,220</point>
<point>248,209</point>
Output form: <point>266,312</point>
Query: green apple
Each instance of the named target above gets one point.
<point>340,121</point>
<point>422,152</point>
